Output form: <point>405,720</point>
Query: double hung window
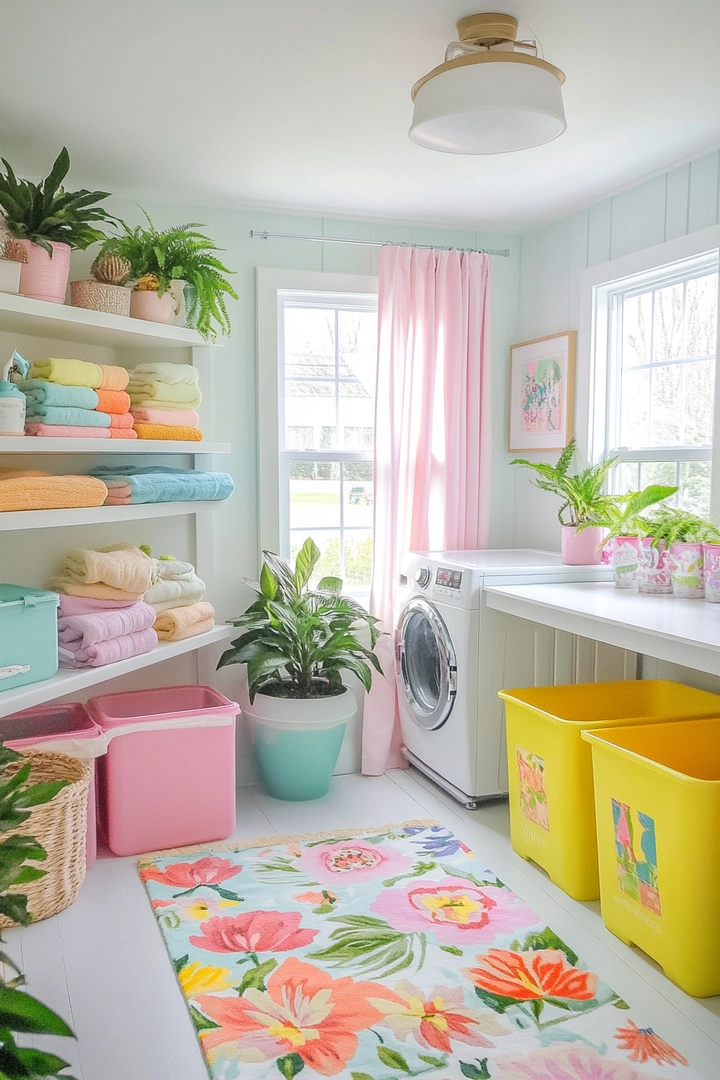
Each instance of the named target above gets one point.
<point>655,373</point>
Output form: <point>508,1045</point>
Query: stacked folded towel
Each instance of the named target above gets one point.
<point>28,489</point>
<point>176,598</point>
<point>155,484</point>
<point>75,399</point>
<point>176,585</point>
<point>164,399</point>
<point>102,617</point>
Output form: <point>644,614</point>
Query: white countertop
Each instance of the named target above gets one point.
<point>684,632</point>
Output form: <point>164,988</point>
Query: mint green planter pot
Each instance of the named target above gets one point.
<point>297,742</point>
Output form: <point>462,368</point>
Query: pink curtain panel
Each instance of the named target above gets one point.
<point>432,438</point>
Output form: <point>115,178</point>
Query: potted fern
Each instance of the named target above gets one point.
<point>48,222</point>
<point>634,561</point>
<point>159,260</point>
<point>583,503</point>
<point>297,642</point>
<point>683,534</point>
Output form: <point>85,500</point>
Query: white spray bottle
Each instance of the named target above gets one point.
<point>12,400</point>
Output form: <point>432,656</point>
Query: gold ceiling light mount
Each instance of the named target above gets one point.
<point>492,94</point>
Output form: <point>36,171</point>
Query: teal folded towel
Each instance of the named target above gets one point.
<point>41,392</point>
<point>68,417</point>
<point>158,483</point>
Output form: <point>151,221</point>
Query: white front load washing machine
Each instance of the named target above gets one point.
<point>452,655</point>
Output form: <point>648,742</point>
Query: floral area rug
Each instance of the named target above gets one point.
<point>383,955</point>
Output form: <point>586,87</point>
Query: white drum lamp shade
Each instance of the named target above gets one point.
<point>492,100</point>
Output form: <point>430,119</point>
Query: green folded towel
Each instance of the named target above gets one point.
<point>67,417</point>
<point>41,392</point>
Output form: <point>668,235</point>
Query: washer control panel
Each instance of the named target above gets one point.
<point>448,582</point>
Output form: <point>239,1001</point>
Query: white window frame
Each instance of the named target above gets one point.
<point>598,286</point>
<point>273,286</point>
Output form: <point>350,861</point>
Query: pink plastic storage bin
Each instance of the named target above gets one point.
<point>67,729</point>
<point>168,778</point>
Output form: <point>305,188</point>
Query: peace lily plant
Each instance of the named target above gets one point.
<point>298,640</point>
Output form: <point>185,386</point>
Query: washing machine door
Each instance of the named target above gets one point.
<point>425,664</point>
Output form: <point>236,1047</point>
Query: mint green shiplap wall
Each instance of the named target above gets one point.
<point>674,204</point>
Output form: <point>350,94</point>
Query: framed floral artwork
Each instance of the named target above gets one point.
<point>542,392</point>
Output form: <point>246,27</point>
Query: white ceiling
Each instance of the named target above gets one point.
<point>305,104</point>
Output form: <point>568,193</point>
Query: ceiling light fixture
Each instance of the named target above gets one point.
<point>493,94</point>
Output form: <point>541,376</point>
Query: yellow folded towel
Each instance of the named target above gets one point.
<point>150,394</point>
<point>67,372</point>
<point>122,566</point>
<point>40,491</point>
<point>165,431</point>
<point>114,377</point>
<point>174,624</point>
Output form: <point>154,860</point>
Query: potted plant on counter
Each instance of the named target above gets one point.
<point>48,222</point>
<point>683,534</point>
<point>583,503</point>
<point>297,642</point>
<point>160,259</point>
<point>634,560</point>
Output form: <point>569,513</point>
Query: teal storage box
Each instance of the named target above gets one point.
<point>28,635</point>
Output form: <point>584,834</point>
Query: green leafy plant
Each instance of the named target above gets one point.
<point>582,494</point>
<point>623,515</point>
<point>19,1013</point>
<point>673,525</point>
<point>45,212</point>
<point>179,253</point>
<point>297,640</point>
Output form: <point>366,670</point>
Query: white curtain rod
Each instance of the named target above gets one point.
<point>257,234</point>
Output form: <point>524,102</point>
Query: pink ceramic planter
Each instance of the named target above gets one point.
<point>686,569</point>
<point>146,304</point>
<point>711,572</point>
<point>582,548</point>
<point>42,277</point>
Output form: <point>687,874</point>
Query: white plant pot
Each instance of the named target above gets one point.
<point>10,276</point>
<point>297,742</point>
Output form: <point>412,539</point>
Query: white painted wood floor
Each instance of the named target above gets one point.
<point>103,966</point>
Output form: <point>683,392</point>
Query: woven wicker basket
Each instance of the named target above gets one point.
<point>60,826</point>
<point>98,296</point>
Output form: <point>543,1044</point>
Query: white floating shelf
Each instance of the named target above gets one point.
<point>39,318</point>
<point>73,680</point>
<point>30,444</point>
<point>12,520</point>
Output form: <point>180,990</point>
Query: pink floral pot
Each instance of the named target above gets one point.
<point>42,277</point>
<point>625,561</point>
<point>653,576</point>
<point>711,572</point>
<point>583,547</point>
<point>146,304</point>
<point>686,571</point>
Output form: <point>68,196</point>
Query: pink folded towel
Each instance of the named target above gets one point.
<point>120,420</point>
<point>85,605</point>
<point>59,431</point>
<point>122,433</point>
<point>120,495</point>
<point>81,631</point>
<point>108,652</point>
<point>170,417</point>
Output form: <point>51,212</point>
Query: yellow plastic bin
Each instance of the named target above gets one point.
<point>552,812</point>
<point>657,801</point>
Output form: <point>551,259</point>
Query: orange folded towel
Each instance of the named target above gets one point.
<point>122,433</point>
<point>174,624</point>
<point>112,401</point>
<point>121,420</point>
<point>113,377</point>
<point>50,492</point>
<point>164,431</point>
